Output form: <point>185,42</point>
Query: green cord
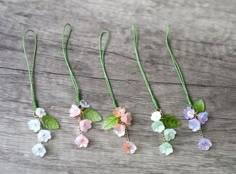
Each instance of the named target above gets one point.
<point>179,72</point>
<point>102,61</point>
<point>65,53</point>
<point>31,69</point>
<point>135,43</point>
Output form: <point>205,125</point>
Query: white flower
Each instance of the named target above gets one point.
<point>39,150</point>
<point>84,104</point>
<point>44,136</point>
<point>119,130</point>
<point>34,125</point>
<point>40,112</point>
<point>156,116</point>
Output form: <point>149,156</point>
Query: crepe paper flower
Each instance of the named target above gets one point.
<point>129,147</point>
<point>204,144</point>
<point>34,125</point>
<point>203,117</point>
<point>44,136</point>
<point>158,126</point>
<point>166,148</point>
<point>189,113</point>
<point>169,134</point>
<point>194,124</point>
<point>156,116</point>
<point>75,111</point>
<point>84,104</point>
<point>119,111</point>
<point>126,118</point>
<point>39,150</point>
<point>81,141</point>
<point>119,130</point>
<point>40,112</point>
<point>85,125</point>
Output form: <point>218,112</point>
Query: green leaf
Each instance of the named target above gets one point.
<point>49,122</point>
<point>92,115</point>
<point>110,122</point>
<point>170,121</point>
<point>199,105</point>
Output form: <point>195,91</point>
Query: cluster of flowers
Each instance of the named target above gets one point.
<point>169,134</point>
<point>194,123</point>
<point>120,129</point>
<point>43,135</point>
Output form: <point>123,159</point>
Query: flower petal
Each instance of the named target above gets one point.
<point>204,144</point>
<point>40,112</point>
<point>34,125</point>
<point>188,113</point>
<point>126,118</point>
<point>194,124</point>
<point>84,104</point>
<point>85,125</point>
<point>129,147</point>
<point>166,148</point>
<point>74,111</point>
<point>119,130</point>
<point>81,141</point>
<point>39,150</point>
<point>44,136</point>
<point>119,111</point>
<point>169,134</point>
<point>158,126</point>
<point>156,116</point>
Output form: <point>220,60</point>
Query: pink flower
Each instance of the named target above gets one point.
<point>127,118</point>
<point>81,141</point>
<point>119,130</point>
<point>119,111</point>
<point>85,125</point>
<point>129,147</point>
<point>74,111</point>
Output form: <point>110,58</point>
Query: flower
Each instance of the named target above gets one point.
<point>166,148</point>
<point>119,130</point>
<point>40,112</point>
<point>74,111</point>
<point>85,125</point>
<point>119,111</point>
<point>44,136</point>
<point>169,134</point>
<point>194,124</point>
<point>189,113</point>
<point>84,104</point>
<point>158,126</point>
<point>202,117</point>
<point>126,118</point>
<point>39,150</point>
<point>129,147</point>
<point>34,125</point>
<point>204,144</point>
<point>156,116</point>
<point>81,141</point>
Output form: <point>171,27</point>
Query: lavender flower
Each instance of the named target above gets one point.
<point>204,144</point>
<point>194,124</point>
<point>202,117</point>
<point>188,113</point>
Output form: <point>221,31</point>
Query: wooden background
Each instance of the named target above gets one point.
<point>204,41</point>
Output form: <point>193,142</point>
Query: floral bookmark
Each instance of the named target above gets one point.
<point>41,121</point>
<point>195,111</point>
<point>120,119</point>
<point>82,111</point>
<point>162,123</point>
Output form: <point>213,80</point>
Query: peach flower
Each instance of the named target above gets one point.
<point>85,125</point>
<point>119,130</point>
<point>81,141</point>
<point>129,147</point>
<point>74,111</point>
<point>119,111</point>
<point>126,118</point>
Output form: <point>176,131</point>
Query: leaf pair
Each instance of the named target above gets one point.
<point>110,122</point>
<point>199,105</point>
<point>170,121</point>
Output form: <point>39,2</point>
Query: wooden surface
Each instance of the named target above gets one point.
<point>204,41</point>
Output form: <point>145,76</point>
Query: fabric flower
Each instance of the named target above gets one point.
<point>156,116</point>
<point>204,144</point>
<point>194,124</point>
<point>119,111</point>
<point>189,113</point>
<point>158,126</point>
<point>166,148</point>
<point>44,136</point>
<point>39,150</point>
<point>126,118</point>
<point>40,112</point>
<point>119,130</point>
<point>85,125</point>
<point>34,125</point>
<point>84,104</point>
<point>129,147</point>
<point>74,111</point>
<point>202,117</point>
<point>81,141</point>
<point>169,134</point>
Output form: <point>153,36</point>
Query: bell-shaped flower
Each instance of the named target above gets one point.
<point>74,111</point>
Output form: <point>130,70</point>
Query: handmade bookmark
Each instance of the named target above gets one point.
<point>162,123</point>
<point>81,110</point>
<point>120,119</point>
<point>195,111</point>
<point>41,121</point>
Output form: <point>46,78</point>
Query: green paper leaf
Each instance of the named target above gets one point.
<point>110,122</point>
<point>170,121</point>
<point>92,115</point>
<point>199,105</point>
<point>49,122</point>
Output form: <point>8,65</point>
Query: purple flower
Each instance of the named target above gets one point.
<point>194,124</point>
<point>204,144</point>
<point>202,117</point>
<point>188,113</point>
